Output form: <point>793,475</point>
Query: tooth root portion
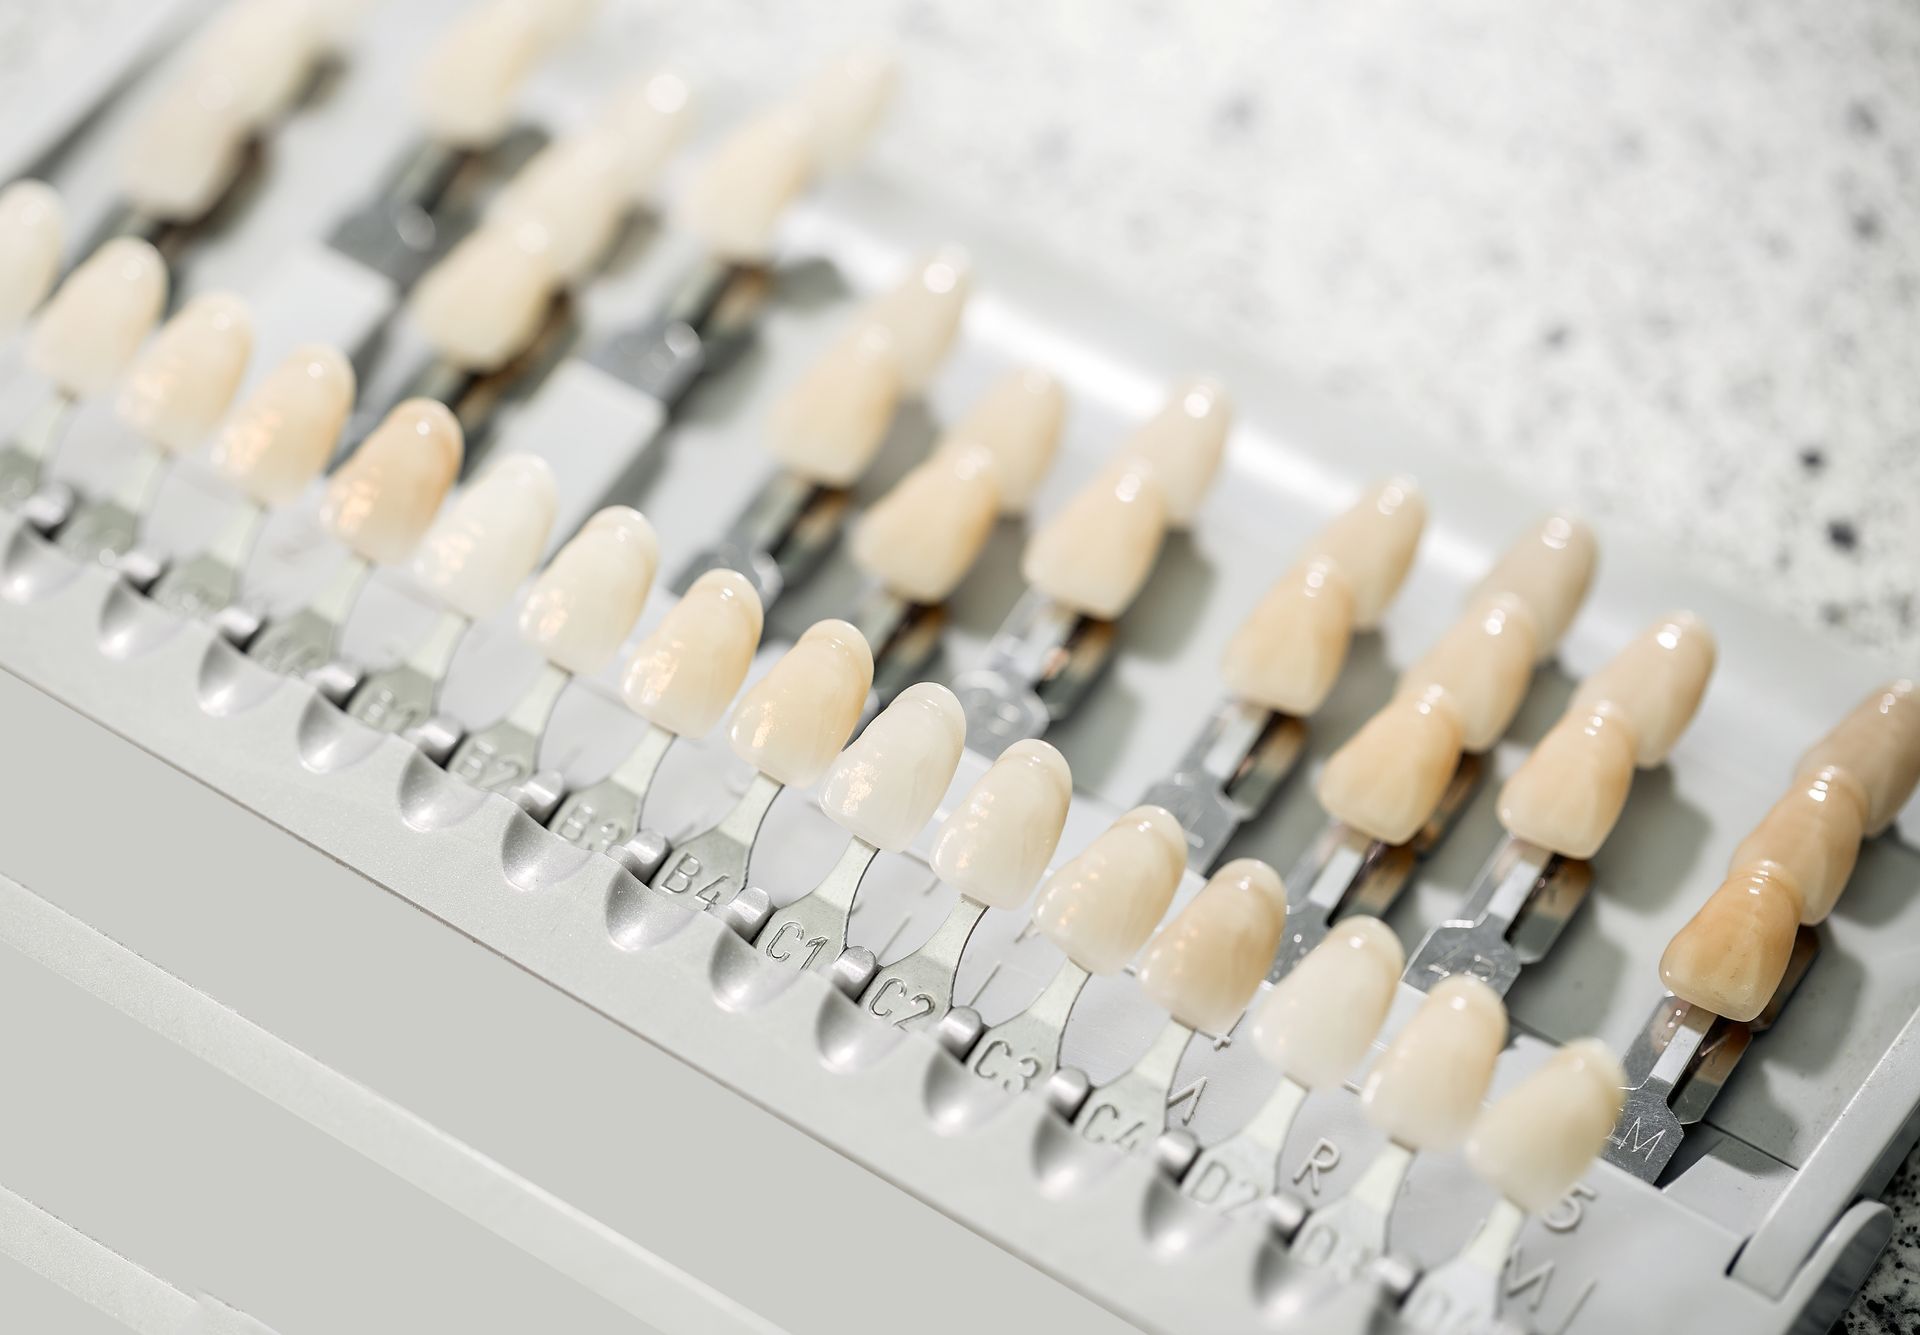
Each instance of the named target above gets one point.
<point>1373,543</point>
<point>1183,444</point>
<point>31,223</point>
<point>649,120</point>
<point>585,602</point>
<point>266,51</point>
<point>184,152</point>
<point>845,103</point>
<point>1657,682</point>
<point>921,538</point>
<point>1550,570</point>
<point>1733,953</point>
<point>733,204</point>
<point>995,844</point>
<point>1485,662</point>
<point>382,498</point>
<point>1102,905</point>
<point>1533,1144</point>
<point>685,674</point>
<point>490,537</point>
<point>1318,1021</point>
<point>283,433</point>
<point>1567,795</point>
<point>1203,966</point>
<point>1387,779</point>
<point>1878,744</point>
<point>1425,1090</point>
<point>1814,832</point>
<point>183,381</point>
<point>829,426</point>
<point>482,305</point>
<point>923,312</point>
<point>90,329</point>
<point>1287,655</point>
<point>1018,421</point>
<point>885,787</point>
<point>792,722</point>
<point>1096,552</point>
<point>473,74</point>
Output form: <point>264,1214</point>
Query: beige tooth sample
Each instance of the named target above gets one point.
<point>1096,552</point>
<point>491,536</point>
<point>473,73</point>
<point>1320,1019</point>
<point>283,433</point>
<point>572,194</point>
<point>183,381</point>
<point>1373,543</point>
<point>1288,653</point>
<point>267,51</point>
<point>184,152</point>
<point>483,304</point>
<point>1102,905</point>
<point>383,497</point>
<point>995,844</point>
<point>1537,1139</point>
<point>1425,1089</point>
<point>830,424</point>
<point>845,101</point>
<point>648,120</point>
<point>1814,834</point>
<point>31,223</point>
<point>1878,744</point>
<point>1657,681</point>
<point>592,591</point>
<point>792,722</point>
<point>921,538</point>
<point>1567,795</point>
<point>734,202</point>
<point>885,787</point>
<point>1387,779</point>
<point>1732,954</point>
<point>1018,421</point>
<point>688,669</point>
<point>1485,661</point>
<point>1183,444</point>
<point>90,328</point>
<point>1549,570</point>
<point>1203,965</point>
<point>922,312</point>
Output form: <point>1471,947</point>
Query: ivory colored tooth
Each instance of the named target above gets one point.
<point>1425,1090</point>
<point>845,103</point>
<point>1533,1144</point>
<point>1320,1019</point>
<point>482,305</point>
<point>90,328</point>
<point>1287,655</point>
<point>472,75</point>
<point>382,498</point>
<point>1567,795</point>
<point>31,222</point>
<point>921,538</point>
<point>1096,552</point>
<point>922,312</point>
<point>1183,443</point>
<point>1549,569</point>
<point>885,787</point>
<point>792,722</point>
<point>733,204</point>
<point>1387,779</point>
<point>1373,543</point>
<point>1657,681</point>
<point>1203,966</point>
<point>1814,832</point>
<point>1733,953</point>
<point>185,151</point>
<point>182,382</point>
<point>649,120</point>
<point>1018,420</point>
<point>1485,662</point>
<point>1101,906</point>
<point>572,195</point>
<point>283,433</point>
<point>685,674</point>
<point>490,538</point>
<point>995,844</point>
<point>557,21</point>
<point>266,48</point>
<point>1878,744</point>
<point>592,591</point>
<point>831,423</point>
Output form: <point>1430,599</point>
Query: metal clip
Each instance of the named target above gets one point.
<point>1040,664</point>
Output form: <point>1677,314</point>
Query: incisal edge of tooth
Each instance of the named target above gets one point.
<point>1550,569</point>
<point>1289,652</point>
<point>181,383</point>
<point>490,537</point>
<point>472,75</point>
<point>922,312</point>
<point>1320,1019</point>
<point>380,501</point>
<point>649,119</point>
<point>1537,1139</point>
<point>994,845</point>
<point>792,722</point>
<point>1018,421</point>
<point>1373,542</point>
<point>1387,779</point>
<point>1878,744</point>
<point>886,786</point>
<point>1426,1088</point>
<point>831,423</point>
<point>574,192</point>
<point>845,102</point>
<point>1098,549</point>
<point>922,537</point>
<point>283,433</point>
<point>268,50</point>
<point>1485,661</point>
<point>1814,832</point>
<point>90,328</point>
<point>586,601</point>
<point>185,152</point>
<point>1567,795</point>
<point>1732,954</point>
<point>1100,906</point>
<point>1183,443</point>
<point>483,304</point>
<point>687,671</point>
<point>734,202</point>
<point>1203,966</point>
<point>31,223</point>
<point>1657,680</point>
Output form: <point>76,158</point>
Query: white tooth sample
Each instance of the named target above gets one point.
<point>687,671</point>
<point>831,423</point>
<point>182,382</point>
<point>734,202</point>
<point>1657,681</point>
<point>1386,780</point>
<point>1018,421</point>
<point>1183,444</point>
<point>1098,549</point>
<point>382,498</point>
<point>845,102</point>
<point>1102,905</point>
<point>557,21</point>
<point>921,538</point>
<point>1320,1019</point>
<point>923,312</point>
<point>1533,1144</point>
<point>90,328</point>
<point>1567,795</point>
<point>649,120</point>
<point>482,305</point>
<point>1814,833</point>
<point>1549,569</point>
<point>184,152</point>
<point>266,48</point>
<point>1425,1090</point>
<point>1288,653</point>
<point>792,722</point>
<point>1202,967</point>
<point>573,194</point>
<point>283,433</point>
<point>995,844</point>
<point>585,602</point>
<point>1733,953</point>
<point>886,786</point>
<point>31,222</point>
<point>1878,744</point>
<point>1373,543</point>
<point>472,75</point>
<point>490,538</point>
<point>1485,662</point>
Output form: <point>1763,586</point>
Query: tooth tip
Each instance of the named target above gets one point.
<point>885,787</point>
<point>1537,1139</point>
<point>1319,1020</point>
<point>1096,552</point>
<point>1203,966</point>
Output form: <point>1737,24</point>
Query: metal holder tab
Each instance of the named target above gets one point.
<point>1519,905</point>
<point>1228,775</point>
<point>1039,666</point>
<point>784,533</point>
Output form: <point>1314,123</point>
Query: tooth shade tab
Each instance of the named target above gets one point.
<point>382,498</point>
<point>473,74</point>
<point>1732,954</point>
<point>185,152</point>
<point>266,49</point>
<point>1287,655</point>
<point>1425,1090</point>
<point>1533,1144</point>
<point>31,223</point>
<point>1098,549</point>
<point>995,844</point>
<point>95,321</point>
<point>1387,779</point>
<point>648,121</point>
<point>885,787</point>
<point>490,538</point>
<point>792,722</point>
<point>1102,905</point>
<point>845,102</point>
<point>1549,569</point>
<point>1657,682</point>
<point>1204,965</point>
<point>1183,443</point>
<point>830,424</point>
<point>922,313</point>
<point>1373,543</point>
<point>1878,745</point>
<point>1018,421</point>
<point>482,305</point>
<point>182,382</point>
<point>685,674</point>
<point>921,538</point>
<point>1321,1017</point>
<point>283,433</point>
<point>1485,663</point>
<point>734,202</point>
<point>573,194</point>
<point>586,601</point>
<point>1568,794</point>
<point>1814,834</point>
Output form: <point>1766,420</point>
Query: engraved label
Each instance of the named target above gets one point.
<point>1318,1243</point>
<point>1215,1184</point>
<point>1190,1097</point>
<point>999,1063</point>
<point>686,876</point>
<point>1634,1141</point>
<point>891,1001</point>
<point>1324,1157</point>
<point>790,936</point>
<point>1534,1285</point>
<point>1105,1124</point>
<point>480,763</point>
<point>1570,1209</point>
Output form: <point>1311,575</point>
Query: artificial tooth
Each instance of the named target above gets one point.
<point>185,151</point>
<point>473,73</point>
<point>1018,420</point>
<point>1203,966</point>
<point>490,538</point>
<point>382,498</point>
<point>1096,552</point>
<point>1533,1144</point>
<point>1425,1089</point>
<point>1387,779</point>
<point>1373,543</point>
<point>483,304</point>
<point>921,538</point>
<point>733,204</point>
<point>284,432</point>
<point>1101,906</point>
<point>585,602</point>
<point>1732,954</point>
<point>995,844</point>
<point>792,722</point>
<point>1657,680</point>
<point>1549,569</point>
<point>649,120</point>
<point>31,223</point>
<point>1485,662</point>
<point>95,321</point>
<point>923,312</point>
<point>1321,1017</point>
<point>574,193</point>
<point>1288,653</point>
<point>684,674</point>
<point>845,102</point>
<point>885,786</point>
<point>1813,832</point>
<point>829,426</point>
<point>1878,744</point>
<point>1567,795</point>
<point>182,382</point>
<point>1183,444</point>
<point>266,48</point>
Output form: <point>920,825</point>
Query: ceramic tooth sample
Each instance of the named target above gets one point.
<point>1550,570</point>
<point>1096,553</point>
<point>1373,543</point>
<point>845,103</point>
<point>32,222</point>
<point>922,312</point>
<point>185,152</point>
<point>1657,680</point>
<point>1388,778</point>
<point>266,50</point>
<point>483,304</point>
<point>829,425</point>
<point>733,204</point>
<point>473,74</point>
<point>1485,663</point>
<point>1183,444</point>
<point>1878,744</point>
<point>1018,421</point>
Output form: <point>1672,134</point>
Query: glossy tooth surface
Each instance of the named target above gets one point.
<point>1657,682</point>
<point>490,537</point>
<point>1102,905</point>
<point>1203,966</point>
<point>792,722</point>
<point>181,383</point>
<point>995,844</point>
<point>90,328</point>
<point>922,312</point>
<point>184,152</point>
<point>886,786</point>
<point>31,223</point>
<point>648,120</point>
<point>382,498</point>
<point>1373,543</point>
<point>283,433</point>
<point>573,194</point>
<point>1879,745</point>
<point>1567,795</point>
<point>592,591</point>
<point>685,674</point>
<point>1183,443</point>
<point>1485,662</point>
<point>1534,1143</point>
<point>1814,832</point>
<point>831,423</point>
<point>473,73</point>
<point>1388,777</point>
<point>845,103</point>
<point>1287,655</point>
<point>1320,1019</point>
<point>1018,421</point>
<point>921,538</point>
<point>482,305</point>
<point>1549,569</point>
<point>1732,954</point>
<point>1425,1090</point>
<point>734,203</point>
<point>267,48</point>
<point>1098,549</point>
